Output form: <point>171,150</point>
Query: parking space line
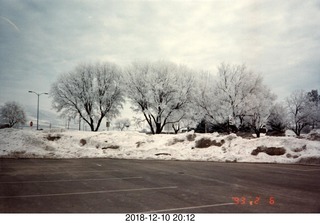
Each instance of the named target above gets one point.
<point>207,179</point>
<point>68,172</point>
<point>190,208</point>
<point>82,171</point>
<point>89,192</point>
<point>75,180</point>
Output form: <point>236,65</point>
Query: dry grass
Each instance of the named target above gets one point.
<point>297,150</point>
<point>245,135</point>
<point>271,151</point>
<point>314,136</point>
<point>191,137</point>
<point>206,142</point>
<point>111,147</point>
<point>162,154</point>
<point>174,141</point>
<point>83,142</point>
<point>53,137</point>
<point>292,156</point>
<point>139,144</point>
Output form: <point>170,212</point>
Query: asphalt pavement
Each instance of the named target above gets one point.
<point>139,186</point>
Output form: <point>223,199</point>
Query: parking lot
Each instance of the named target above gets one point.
<point>130,186</point>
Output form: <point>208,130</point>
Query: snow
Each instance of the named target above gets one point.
<point>60,143</point>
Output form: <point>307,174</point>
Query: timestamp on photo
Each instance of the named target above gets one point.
<point>243,200</point>
<point>160,217</point>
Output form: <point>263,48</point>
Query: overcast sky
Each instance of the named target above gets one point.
<point>41,39</point>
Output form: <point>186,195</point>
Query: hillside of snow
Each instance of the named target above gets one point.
<point>59,143</point>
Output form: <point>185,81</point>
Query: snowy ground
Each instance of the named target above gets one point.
<point>58,143</point>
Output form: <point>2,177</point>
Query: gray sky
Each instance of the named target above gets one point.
<point>41,39</point>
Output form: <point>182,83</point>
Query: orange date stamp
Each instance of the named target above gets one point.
<point>253,200</point>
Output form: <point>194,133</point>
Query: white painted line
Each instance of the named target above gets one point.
<point>51,167</point>
<point>190,175</point>
<point>67,171</point>
<point>206,178</point>
<point>190,208</point>
<point>85,171</point>
<point>21,172</point>
<point>76,180</point>
<point>89,192</point>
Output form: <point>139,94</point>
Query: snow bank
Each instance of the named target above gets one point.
<point>58,143</point>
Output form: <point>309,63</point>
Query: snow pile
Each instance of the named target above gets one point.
<point>59,143</point>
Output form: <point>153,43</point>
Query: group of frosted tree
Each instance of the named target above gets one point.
<point>167,94</point>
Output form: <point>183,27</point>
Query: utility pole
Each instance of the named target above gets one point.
<point>38,94</point>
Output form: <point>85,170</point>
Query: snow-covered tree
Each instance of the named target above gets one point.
<point>209,104</point>
<point>122,123</point>
<point>277,120</point>
<point>235,96</point>
<point>12,114</point>
<point>68,115</point>
<point>259,109</point>
<point>187,118</point>
<point>237,87</point>
<point>314,98</point>
<point>138,122</point>
<point>300,109</point>
<point>160,90</point>
<point>91,91</point>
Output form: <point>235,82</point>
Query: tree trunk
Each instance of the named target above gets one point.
<point>151,127</point>
<point>158,128</point>
<point>296,130</point>
<point>313,124</point>
<point>99,123</point>
<point>149,121</point>
<point>91,124</point>
<point>176,130</point>
<point>258,133</point>
<point>92,127</point>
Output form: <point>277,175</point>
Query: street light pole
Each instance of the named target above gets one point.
<point>38,94</point>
